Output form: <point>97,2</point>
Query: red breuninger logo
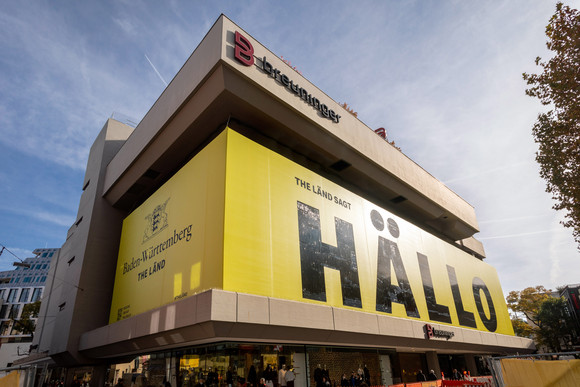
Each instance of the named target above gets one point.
<point>244,51</point>
<point>429,331</point>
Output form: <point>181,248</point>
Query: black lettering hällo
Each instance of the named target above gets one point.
<point>316,255</point>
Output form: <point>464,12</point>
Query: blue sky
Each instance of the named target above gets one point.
<point>444,78</point>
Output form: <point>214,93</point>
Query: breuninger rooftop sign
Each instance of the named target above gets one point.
<point>244,53</point>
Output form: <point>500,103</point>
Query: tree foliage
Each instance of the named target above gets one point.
<point>557,131</point>
<point>528,301</point>
<point>26,324</point>
<point>548,320</point>
<point>555,324</point>
<point>521,328</point>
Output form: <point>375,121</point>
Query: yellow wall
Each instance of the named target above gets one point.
<point>191,204</point>
<point>261,224</point>
<point>262,250</point>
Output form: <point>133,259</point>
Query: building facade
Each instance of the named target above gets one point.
<point>571,294</point>
<point>20,287</point>
<point>248,223</point>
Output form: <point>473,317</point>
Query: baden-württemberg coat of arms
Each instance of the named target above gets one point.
<point>156,221</point>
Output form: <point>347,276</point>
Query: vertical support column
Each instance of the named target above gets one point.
<point>433,363</point>
<point>68,381</point>
<point>99,376</point>
<point>470,364</point>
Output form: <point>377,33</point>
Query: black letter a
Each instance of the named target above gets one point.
<point>387,293</point>
<point>315,255</point>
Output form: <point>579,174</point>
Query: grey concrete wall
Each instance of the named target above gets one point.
<point>81,294</point>
<point>218,315</point>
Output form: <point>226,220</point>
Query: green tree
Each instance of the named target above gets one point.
<point>548,320</point>
<point>528,302</point>
<point>521,328</point>
<point>555,324</point>
<point>557,131</point>
<point>26,324</point>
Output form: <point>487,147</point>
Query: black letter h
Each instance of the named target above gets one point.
<point>315,255</point>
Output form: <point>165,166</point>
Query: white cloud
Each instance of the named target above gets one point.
<point>33,214</point>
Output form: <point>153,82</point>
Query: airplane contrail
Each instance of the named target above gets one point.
<point>487,171</point>
<point>156,72</point>
<point>518,235</point>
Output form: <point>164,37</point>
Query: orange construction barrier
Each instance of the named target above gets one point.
<point>441,383</point>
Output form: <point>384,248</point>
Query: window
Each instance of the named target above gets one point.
<point>2,293</point>
<point>44,255</point>
<point>71,260</point>
<point>12,295</point>
<point>4,311</point>
<point>36,294</point>
<point>4,326</point>
<point>86,184</point>
<point>43,279</point>
<point>14,311</point>
<point>44,266</point>
<point>26,279</point>
<point>24,295</point>
<point>61,306</point>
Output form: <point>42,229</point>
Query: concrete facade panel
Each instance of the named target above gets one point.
<point>186,312</point>
<point>223,305</point>
<point>253,309</point>
<point>122,330</point>
<point>472,336</point>
<point>354,321</point>
<point>297,314</point>
<point>392,326</point>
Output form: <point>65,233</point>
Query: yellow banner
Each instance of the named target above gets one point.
<point>171,246</point>
<point>242,218</point>
<point>292,234</point>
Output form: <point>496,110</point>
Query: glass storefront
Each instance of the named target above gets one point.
<point>245,364</point>
<point>232,364</point>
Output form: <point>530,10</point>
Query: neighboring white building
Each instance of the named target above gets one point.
<point>18,287</point>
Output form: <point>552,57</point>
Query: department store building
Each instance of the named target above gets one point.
<point>250,220</point>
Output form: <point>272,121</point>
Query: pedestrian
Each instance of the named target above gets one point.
<point>252,376</point>
<point>269,376</point>
<point>281,374</point>
<point>229,377</point>
<point>289,377</point>
<point>344,381</point>
<point>421,376</point>
<point>456,375</point>
<point>431,375</point>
